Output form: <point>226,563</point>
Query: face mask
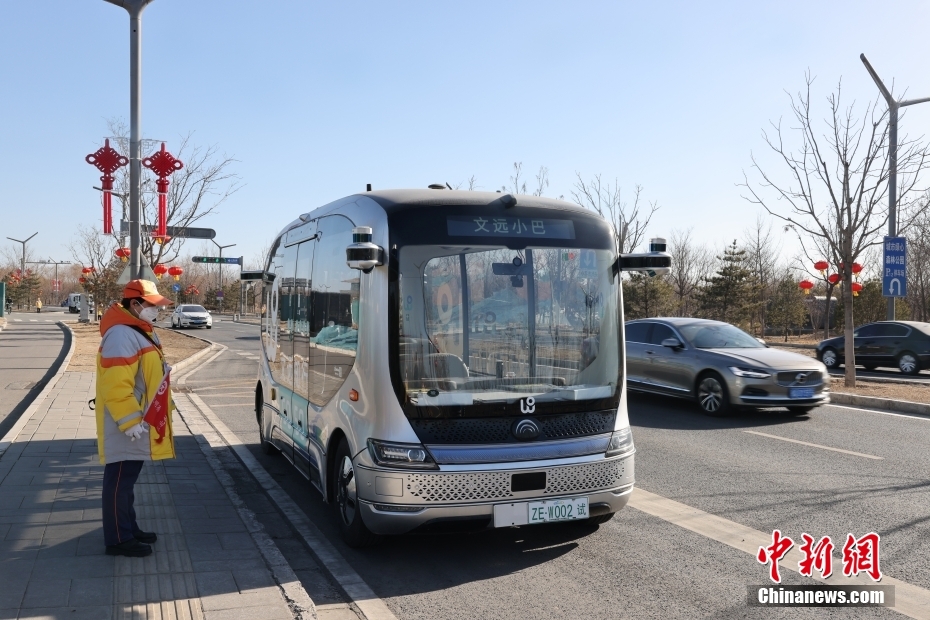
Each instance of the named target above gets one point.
<point>149,314</point>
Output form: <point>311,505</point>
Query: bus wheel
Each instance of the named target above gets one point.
<point>267,447</point>
<point>348,515</point>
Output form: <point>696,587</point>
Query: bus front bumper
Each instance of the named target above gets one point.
<point>392,502</point>
<point>385,519</point>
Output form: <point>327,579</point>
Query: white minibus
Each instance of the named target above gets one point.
<point>437,358</point>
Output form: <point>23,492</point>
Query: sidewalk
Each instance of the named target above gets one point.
<point>210,561</point>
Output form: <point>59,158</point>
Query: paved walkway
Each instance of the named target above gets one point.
<point>212,560</point>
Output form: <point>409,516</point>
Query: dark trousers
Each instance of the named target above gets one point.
<point>119,516</point>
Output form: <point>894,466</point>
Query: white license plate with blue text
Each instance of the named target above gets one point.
<point>551,510</point>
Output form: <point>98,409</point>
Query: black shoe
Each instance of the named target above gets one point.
<point>146,537</point>
<point>131,548</point>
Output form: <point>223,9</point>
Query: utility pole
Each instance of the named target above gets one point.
<point>22,268</point>
<point>135,8</point>
<point>893,106</point>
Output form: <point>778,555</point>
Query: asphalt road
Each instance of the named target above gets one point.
<point>29,347</point>
<point>844,471</point>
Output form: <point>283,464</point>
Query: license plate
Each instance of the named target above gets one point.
<point>551,510</point>
<point>804,392</point>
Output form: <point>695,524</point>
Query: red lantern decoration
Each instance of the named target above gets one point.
<point>82,280</point>
<point>176,273</point>
<point>834,278</point>
<point>856,269</point>
<point>163,164</point>
<point>856,288</point>
<point>107,160</point>
<point>821,266</point>
<point>806,285</point>
<point>123,254</point>
<point>160,270</point>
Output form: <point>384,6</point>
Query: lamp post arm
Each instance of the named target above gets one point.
<point>878,81</point>
<point>913,101</point>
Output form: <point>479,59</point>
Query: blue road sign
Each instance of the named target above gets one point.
<point>894,267</point>
<point>176,287</point>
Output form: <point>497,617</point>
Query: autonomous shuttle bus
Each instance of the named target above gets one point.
<point>436,358</point>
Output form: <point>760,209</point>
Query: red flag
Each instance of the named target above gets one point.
<point>157,412</point>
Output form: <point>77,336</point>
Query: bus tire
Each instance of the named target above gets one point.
<point>345,501</point>
<point>267,447</point>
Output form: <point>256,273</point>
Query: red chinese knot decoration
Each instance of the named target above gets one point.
<point>163,164</point>
<point>107,160</point>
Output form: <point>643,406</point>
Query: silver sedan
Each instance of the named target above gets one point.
<point>720,366</point>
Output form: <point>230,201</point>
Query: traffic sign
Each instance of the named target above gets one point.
<point>219,294</point>
<point>180,232</point>
<point>894,270</point>
<point>216,260</point>
<point>176,287</point>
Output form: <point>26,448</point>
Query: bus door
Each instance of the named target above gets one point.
<point>304,455</point>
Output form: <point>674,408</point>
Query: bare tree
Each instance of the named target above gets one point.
<point>837,182</point>
<point>761,259</point>
<point>629,222</point>
<point>691,264</point>
<point>197,190</point>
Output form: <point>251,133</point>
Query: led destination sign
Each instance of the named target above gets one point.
<point>478,226</point>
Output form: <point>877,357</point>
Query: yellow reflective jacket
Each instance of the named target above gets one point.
<point>130,368</point>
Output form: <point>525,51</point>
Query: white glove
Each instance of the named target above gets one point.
<point>134,432</point>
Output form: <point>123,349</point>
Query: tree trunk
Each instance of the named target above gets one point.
<point>826,313</point>
<point>849,326</point>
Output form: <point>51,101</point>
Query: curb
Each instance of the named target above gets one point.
<point>872,402</point>
<point>14,432</point>
<point>187,361</point>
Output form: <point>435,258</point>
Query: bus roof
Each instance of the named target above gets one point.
<point>395,200</point>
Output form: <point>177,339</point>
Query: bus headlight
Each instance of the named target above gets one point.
<point>407,455</point>
<point>621,442</point>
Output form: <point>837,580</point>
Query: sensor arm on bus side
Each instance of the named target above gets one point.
<point>653,263</point>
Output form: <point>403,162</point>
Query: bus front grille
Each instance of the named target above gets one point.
<point>455,487</point>
<point>498,430</point>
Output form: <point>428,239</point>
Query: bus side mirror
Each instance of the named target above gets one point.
<point>652,263</point>
<point>362,253</point>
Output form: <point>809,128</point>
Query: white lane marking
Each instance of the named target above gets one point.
<point>360,593</point>
<point>184,377</point>
<point>910,600</point>
<point>33,320</point>
<point>18,320</point>
<point>913,416</point>
<point>816,445</point>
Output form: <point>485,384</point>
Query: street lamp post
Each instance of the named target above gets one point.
<point>893,107</point>
<point>22,267</point>
<point>52,262</point>
<point>134,8</point>
<point>221,247</point>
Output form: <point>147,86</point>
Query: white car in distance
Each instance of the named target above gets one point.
<point>191,315</point>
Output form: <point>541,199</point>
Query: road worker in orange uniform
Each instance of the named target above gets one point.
<point>131,368</point>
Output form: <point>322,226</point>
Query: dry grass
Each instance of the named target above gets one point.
<point>913,392</point>
<point>87,340</point>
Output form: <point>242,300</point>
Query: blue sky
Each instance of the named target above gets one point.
<point>316,99</point>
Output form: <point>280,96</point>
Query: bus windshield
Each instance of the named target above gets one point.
<point>492,324</point>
